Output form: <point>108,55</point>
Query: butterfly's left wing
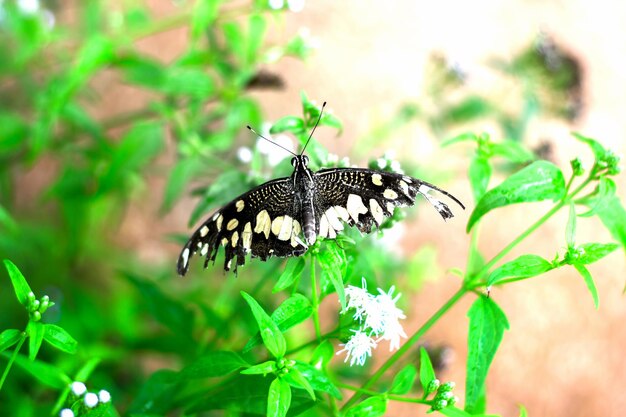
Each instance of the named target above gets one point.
<point>364,197</point>
<point>263,222</point>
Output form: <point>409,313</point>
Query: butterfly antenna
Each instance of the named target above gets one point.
<point>314,127</point>
<point>270,141</point>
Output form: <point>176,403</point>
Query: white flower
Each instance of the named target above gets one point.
<point>295,5</point>
<point>28,6</point>
<point>276,4</point>
<point>358,299</point>
<point>244,154</point>
<point>388,304</point>
<point>104,396</point>
<point>78,388</point>
<point>393,332</point>
<point>274,153</point>
<point>358,348</point>
<point>91,400</point>
<point>66,412</point>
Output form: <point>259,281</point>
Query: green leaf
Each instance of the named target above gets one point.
<point>268,367</point>
<point>87,369</point>
<point>256,31</point>
<point>35,332</point>
<point>513,151</point>
<point>370,407</point>
<point>43,372</point>
<point>278,398</point>
<point>460,138</point>
<point>292,272</point>
<point>273,339</point>
<point>191,82</point>
<point>332,263</point>
<point>522,411</point>
<point>455,412</point>
<point>479,175</point>
<point>292,311</point>
<point>322,355</point>
<point>525,266</point>
<point>605,192</point>
<point>291,124</point>
<point>20,286</point>
<point>487,325</point>
<point>316,378</point>
<point>179,177</point>
<point>539,181</point>
<point>598,150</point>
<point>59,338</point>
<point>213,364</point>
<point>570,229</point>
<point>296,379</point>
<point>156,395</point>
<point>592,252</point>
<point>589,282</point>
<point>204,14</point>
<point>403,381</point>
<point>427,372</point>
<point>613,216</point>
<point>8,338</point>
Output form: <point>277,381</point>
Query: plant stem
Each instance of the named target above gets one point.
<point>408,345</point>
<point>12,359</point>
<point>316,301</point>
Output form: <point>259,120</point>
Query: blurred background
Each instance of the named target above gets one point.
<point>115,117</point>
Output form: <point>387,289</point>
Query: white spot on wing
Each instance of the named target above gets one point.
<point>240,205</point>
<point>390,208</point>
<point>343,213</point>
<point>390,194</point>
<point>285,229</point>
<point>185,256</point>
<point>277,223</point>
<point>263,223</point>
<point>377,179</point>
<point>235,239</point>
<point>333,219</point>
<point>204,231</point>
<point>323,226</point>
<point>246,236</point>
<point>295,232</point>
<point>204,249</point>
<point>218,222</point>
<point>405,188</point>
<point>377,211</point>
<point>232,223</point>
<point>355,206</point>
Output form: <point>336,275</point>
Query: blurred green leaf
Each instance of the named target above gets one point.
<point>522,411</point>
<point>404,380</point>
<point>570,229</point>
<point>291,273</point>
<point>291,124</point>
<point>157,394</point>
<point>479,175</point>
<point>470,108</point>
<point>213,364</point>
<point>525,266</point>
<point>59,338</point>
<point>8,338</point>
<point>613,216</point>
<point>333,266</point>
<point>13,132</point>
<point>35,330</point>
<point>370,407</point>
<point>278,398</point>
<point>539,181</point>
<point>512,151</point>
<point>604,193</point>
<point>457,412</point>
<point>272,337</point>
<point>317,379</point>
<point>264,368</point>
<point>487,326</point>
<point>46,374</point>
<point>87,369</point>
<point>590,283</point>
<point>322,354</point>
<point>192,82</point>
<point>180,175</point>
<point>20,286</point>
<point>598,150</point>
<point>296,379</point>
<point>460,138</point>
<point>292,311</point>
<point>257,27</point>
<point>204,14</point>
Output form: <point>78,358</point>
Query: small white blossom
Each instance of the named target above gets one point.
<point>295,5</point>
<point>91,400</point>
<point>104,396</point>
<point>358,348</point>
<point>382,163</point>
<point>358,299</point>
<point>78,388</point>
<point>244,154</point>
<point>28,6</point>
<point>66,412</point>
<point>274,153</point>
<point>276,4</point>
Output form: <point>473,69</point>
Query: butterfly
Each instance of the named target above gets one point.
<point>285,216</point>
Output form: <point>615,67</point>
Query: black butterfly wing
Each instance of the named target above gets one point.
<point>364,197</point>
<point>262,222</point>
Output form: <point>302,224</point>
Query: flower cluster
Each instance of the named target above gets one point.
<point>37,307</point>
<point>379,319</point>
<point>84,400</point>
<point>444,396</point>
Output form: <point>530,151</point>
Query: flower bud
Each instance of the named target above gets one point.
<point>91,400</point>
<point>104,396</point>
<point>35,316</point>
<point>577,167</point>
<point>66,412</point>
<point>78,388</point>
<point>433,386</point>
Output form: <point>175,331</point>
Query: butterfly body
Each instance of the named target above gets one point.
<point>284,216</point>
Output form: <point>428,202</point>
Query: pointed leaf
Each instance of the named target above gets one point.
<point>272,337</point>
<point>213,364</point>
<point>512,151</point>
<point>316,378</point>
<point>296,379</point>
<point>591,285</point>
<point>291,124</point>
<point>268,367</point>
<point>404,380</point>
<point>605,192</point>
<point>598,150</point>
<point>455,412</point>
<point>59,338</point>
<point>204,14</point>
<point>570,229</point>
<point>525,266</point>
<point>427,372</point>
<point>539,181</point>
<point>479,175</point>
<point>370,407</point>
<point>487,325</point>
<point>592,252</point>
<point>291,312</point>
<point>8,338</point>
<point>45,373</point>
<point>613,216</point>
<point>35,332</point>
<point>292,272</point>
<point>322,355</point>
<point>278,398</point>
<point>20,286</point>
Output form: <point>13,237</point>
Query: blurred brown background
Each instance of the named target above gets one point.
<point>561,356</point>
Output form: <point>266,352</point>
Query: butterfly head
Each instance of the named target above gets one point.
<point>300,161</point>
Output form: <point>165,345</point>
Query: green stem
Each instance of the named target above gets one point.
<point>12,359</point>
<point>409,344</point>
<point>316,301</point>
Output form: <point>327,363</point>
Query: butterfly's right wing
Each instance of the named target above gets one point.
<point>263,222</point>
